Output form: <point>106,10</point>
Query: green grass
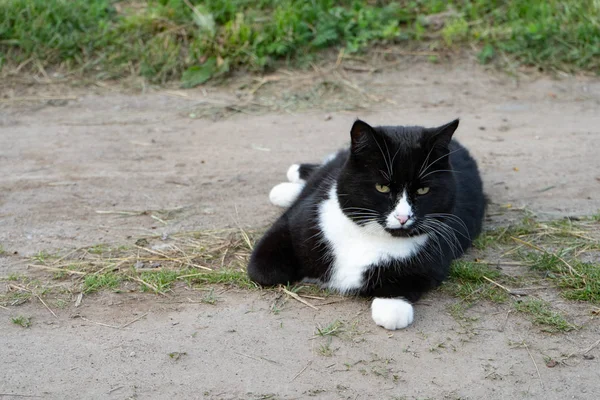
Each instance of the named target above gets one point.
<point>199,39</point>
<point>95,282</point>
<point>332,329</point>
<point>159,281</point>
<point>22,321</point>
<point>542,314</point>
<point>554,249</point>
<point>467,282</point>
<point>583,283</point>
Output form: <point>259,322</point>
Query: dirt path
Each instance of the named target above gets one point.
<point>106,169</point>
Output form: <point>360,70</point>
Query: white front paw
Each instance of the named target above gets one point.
<point>392,314</point>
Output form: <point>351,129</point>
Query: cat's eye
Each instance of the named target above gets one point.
<point>382,188</point>
<point>422,191</point>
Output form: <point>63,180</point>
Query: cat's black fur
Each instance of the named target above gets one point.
<point>294,248</point>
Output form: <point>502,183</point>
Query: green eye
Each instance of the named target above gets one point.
<point>382,188</point>
<point>422,191</point>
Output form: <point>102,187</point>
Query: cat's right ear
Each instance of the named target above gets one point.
<point>359,134</point>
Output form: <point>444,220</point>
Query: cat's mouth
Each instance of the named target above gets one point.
<point>403,231</point>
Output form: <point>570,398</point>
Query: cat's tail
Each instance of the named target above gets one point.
<point>284,194</point>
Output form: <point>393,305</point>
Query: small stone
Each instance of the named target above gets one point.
<point>141,242</point>
<point>588,356</point>
<point>132,354</point>
<point>551,364</point>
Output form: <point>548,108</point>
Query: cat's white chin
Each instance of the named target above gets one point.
<point>392,314</point>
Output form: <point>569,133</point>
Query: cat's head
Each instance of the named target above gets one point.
<point>397,178</point>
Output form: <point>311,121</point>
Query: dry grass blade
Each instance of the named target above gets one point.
<point>300,373</point>
<point>572,270</point>
<point>507,290</point>
<point>36,295</point>
<point>534,363</point>
<point>97,323</point>
<point>133,321</point>
<point>149,285</point>
<point>68,271</point>
<point>298,298</point>
<point>167,257</point>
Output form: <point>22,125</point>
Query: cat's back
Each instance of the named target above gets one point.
<point>470,199</point>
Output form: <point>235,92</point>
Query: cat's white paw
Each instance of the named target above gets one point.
<point>284,194</point>
<point>293,173</point>
<point>392,314</point>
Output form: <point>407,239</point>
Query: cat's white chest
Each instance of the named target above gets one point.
<point>355,248</point>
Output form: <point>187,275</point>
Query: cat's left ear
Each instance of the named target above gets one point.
<point>442,135</point>
<point>359,134</point>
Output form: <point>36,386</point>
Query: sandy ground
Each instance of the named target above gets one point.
<point>69,169</point>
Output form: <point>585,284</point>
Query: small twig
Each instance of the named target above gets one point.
<point>532,359</point>
<point>45,305</point>
<point>298,298</point>
<point>36,295</point>
<point>97,323</point>
<point>591,347</point>
<point>515,263</point>
<point>114,389</point>
<point>149,285</point>
<point>158,219</point>
<point>512,292</point>
<point>56,269</point>
<point>507,290</point>
<point>18,395</point>
<point>300,373</point>
<point>4,308</point>
<point>65,256</point>
<point>261,358</point>
<point>130,213</point>
<point>314,297</point>
<point>135,320</point>
<point>505,321</point>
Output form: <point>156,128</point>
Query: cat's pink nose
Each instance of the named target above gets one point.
<point>402,219</point>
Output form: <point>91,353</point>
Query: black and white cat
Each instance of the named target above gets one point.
<point>384,218</point>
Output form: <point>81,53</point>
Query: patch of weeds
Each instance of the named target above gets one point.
<point>234,277</point>
<point>582,284</point>
<point>98,249</point>
<point>209,298</point>
<point>325,349</point>
<point>175,356</point>
<point>22,321</point>
<point>93,283</point>
<point>503,235</point>
<point>468,282</point>
<point>197,40</point>
<point>159,281</point>
<point>61,303</point>
<point>310,290</point>
<point>13,277</point>
<point>2,251</point>
<point>542,314</point>
<point>332,329</point>
<point>15,298</point>
<point>42,257</point>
